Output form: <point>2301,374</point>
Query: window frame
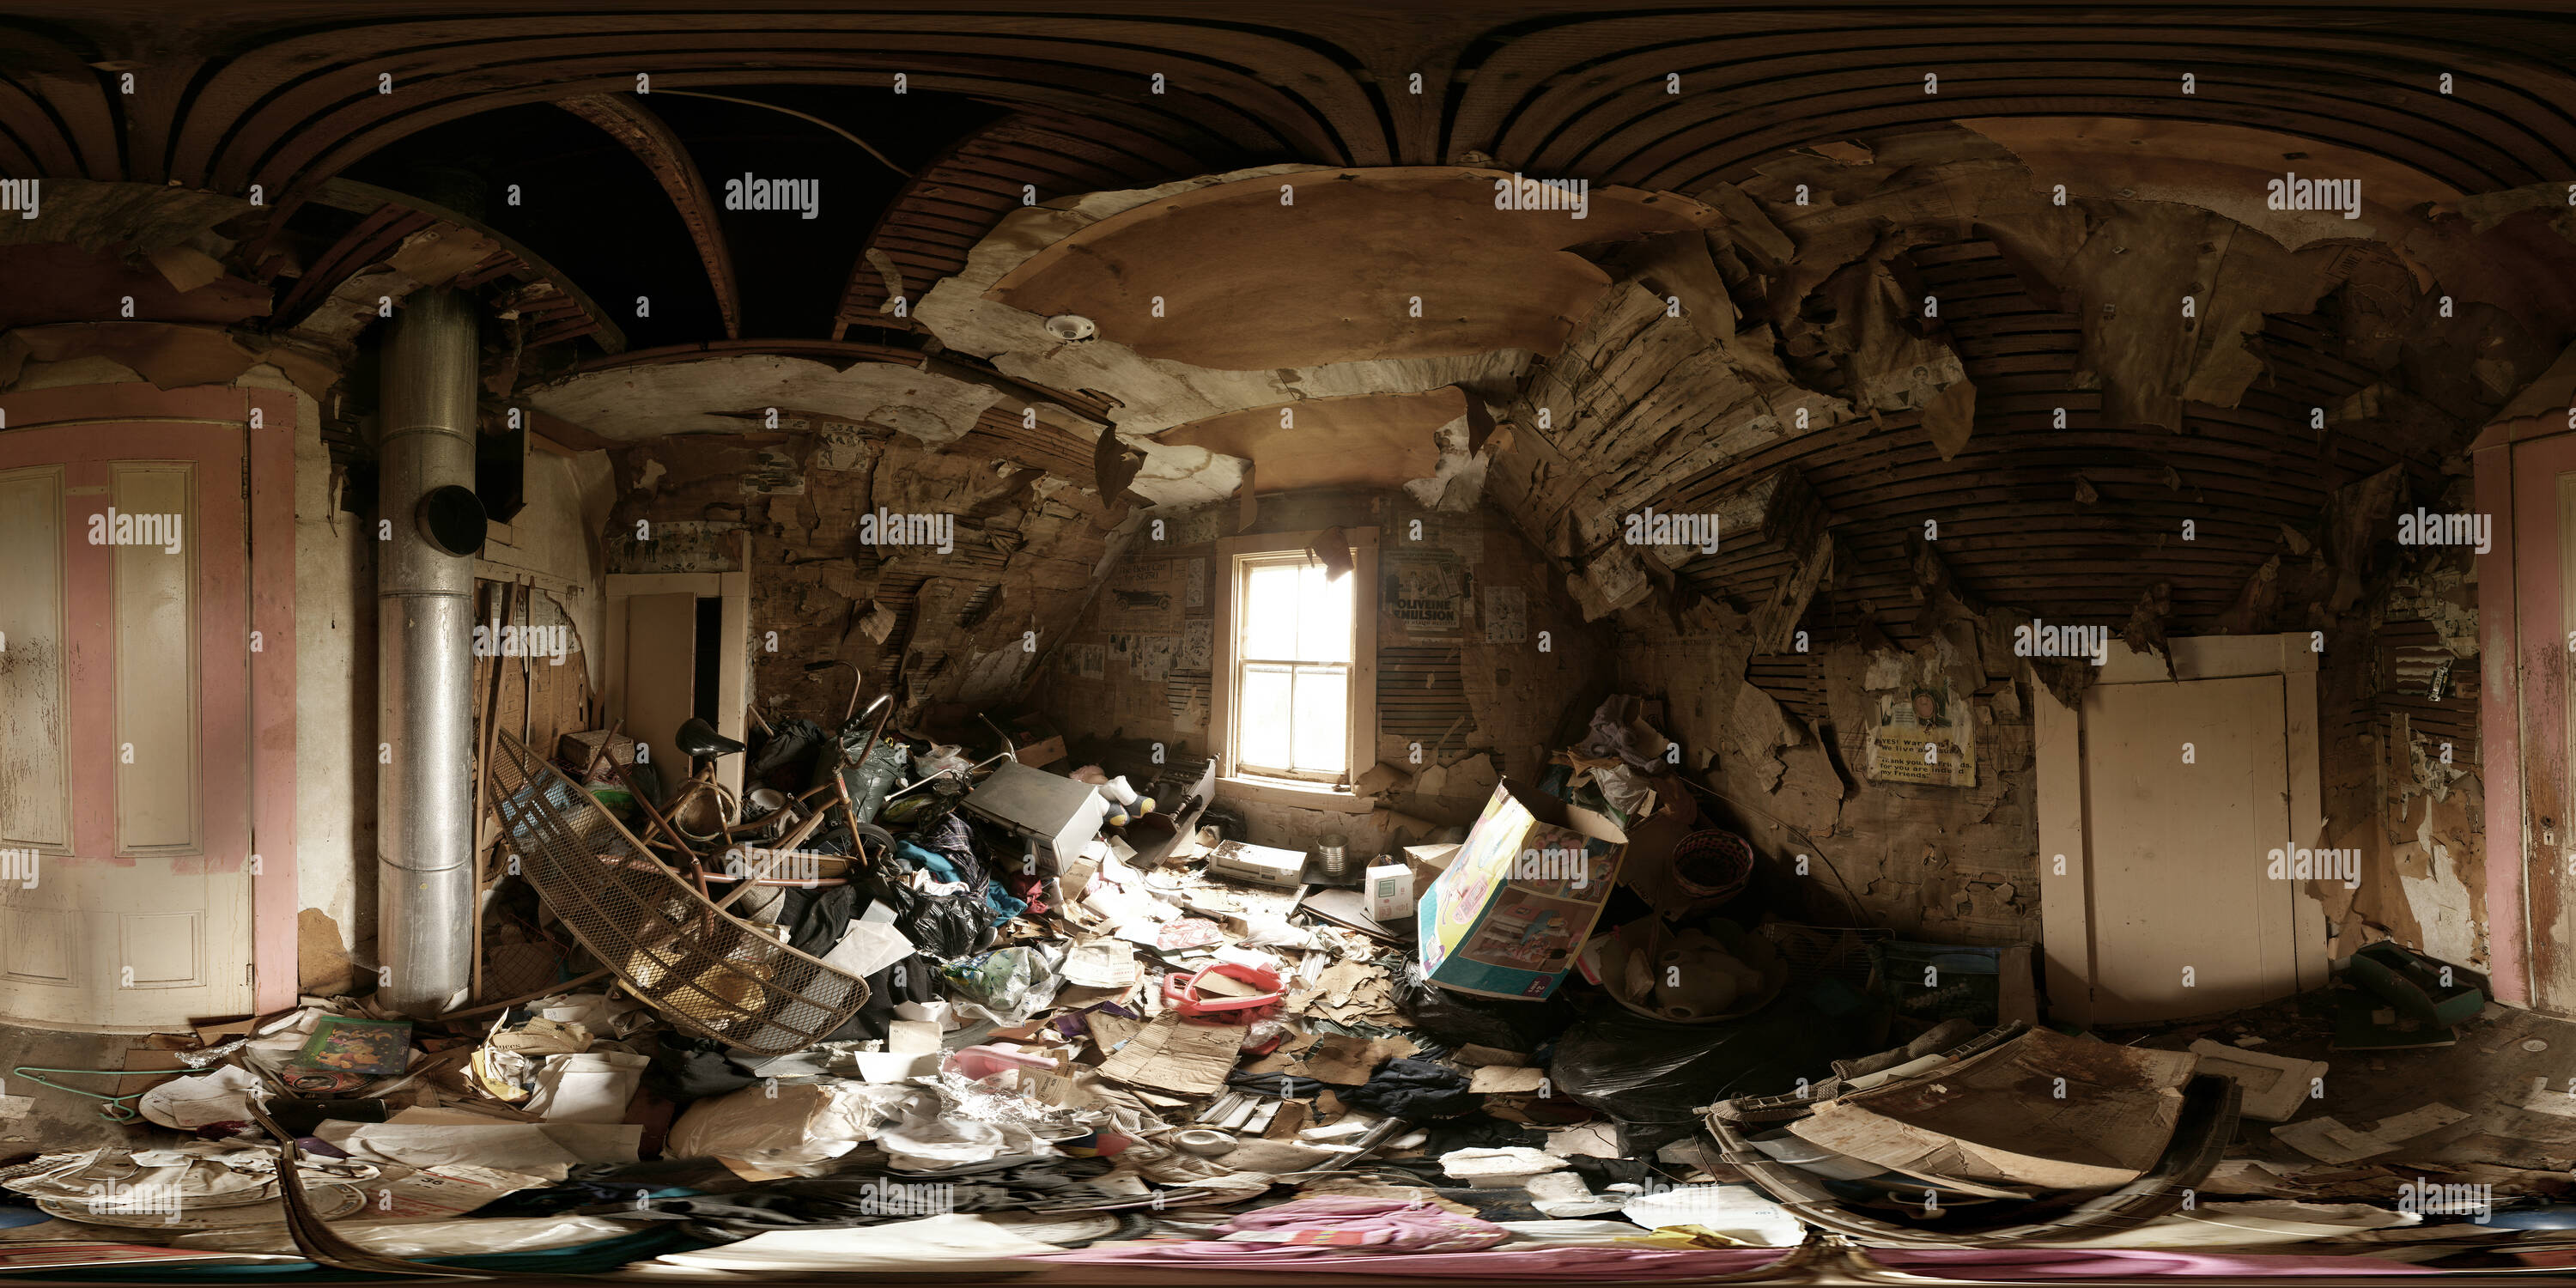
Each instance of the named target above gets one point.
<point>1227,628</point>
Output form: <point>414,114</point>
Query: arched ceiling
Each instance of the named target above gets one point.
<point>284,92</point>
<point>1928,143</point>
<point>286,95</point>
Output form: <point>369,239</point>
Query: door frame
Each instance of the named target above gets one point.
<point>2523,710</point>
<point>2057,742</point>
<point>733,669</point>
<point>270,523</point>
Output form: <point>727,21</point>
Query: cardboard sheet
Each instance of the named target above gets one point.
<point>1514,907</point>
<point>1346,1061</point>
<point>1496,1079</point>
<point>2329,1141</point>
<point>1168,1055</point>
<point>1998,1118</point>
<point>2275,1086</point>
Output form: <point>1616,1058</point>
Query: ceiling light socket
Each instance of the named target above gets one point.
<point>1072,328</point>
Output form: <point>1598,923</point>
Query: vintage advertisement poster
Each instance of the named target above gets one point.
<point>1149,656</point>
<point>1195,529</point>
<point>1198,647</point>
<point>1514,907</point>
<point>1506,615</point>
<point>1086,661</point>
<point>1925,732</point>
<point>1423,594</point>
<point>1194,582</point>
<point>1144,595</point>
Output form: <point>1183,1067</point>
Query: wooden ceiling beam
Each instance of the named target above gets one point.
<point>627,120</point>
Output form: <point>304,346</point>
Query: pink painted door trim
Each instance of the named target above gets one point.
<point>2500,698</point>
<point>268,722</point>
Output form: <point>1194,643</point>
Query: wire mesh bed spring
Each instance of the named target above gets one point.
<point>709,972</point>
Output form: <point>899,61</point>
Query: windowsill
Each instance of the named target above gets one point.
<point>1295,795</point>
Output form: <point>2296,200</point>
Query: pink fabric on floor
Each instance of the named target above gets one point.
<point>1326,1222</point>
<point>1566,1263</point>
<point>1585,1263</point>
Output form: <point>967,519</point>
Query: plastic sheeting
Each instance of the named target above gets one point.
<point>1645,1072</point>
<point>787,1123</point>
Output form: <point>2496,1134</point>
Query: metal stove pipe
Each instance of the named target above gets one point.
<point>431,525</point>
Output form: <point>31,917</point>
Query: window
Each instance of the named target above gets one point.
<point>1295,664</point>
<point>1292,669</point>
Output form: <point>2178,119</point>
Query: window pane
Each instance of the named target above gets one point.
<point>1270,611</point>
<point>1262,738</point>
<point>1324,616</point>
<point>1323,719</point>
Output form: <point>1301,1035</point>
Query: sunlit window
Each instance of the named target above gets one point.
<point>1292,669</point>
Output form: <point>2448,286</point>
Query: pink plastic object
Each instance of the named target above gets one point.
<point>1181,991</point>
<point>981,1062</point>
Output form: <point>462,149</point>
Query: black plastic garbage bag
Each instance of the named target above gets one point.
<point>786,758</point>
<point>912,979</point>
<point>817,918</point>
<point>686,1067</point>
<point>945,927</point>
<point>1458,1019</point>
<point>1414,1090</point>
<point>1643,1071</point>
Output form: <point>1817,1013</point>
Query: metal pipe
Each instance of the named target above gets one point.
<point>816,668</point>
<point>431,526</point>
<point>877,734</point>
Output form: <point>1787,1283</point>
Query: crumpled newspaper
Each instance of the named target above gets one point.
<point>222,1096</point>
<point>113,1178</point>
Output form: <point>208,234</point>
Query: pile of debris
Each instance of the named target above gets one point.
<point>964,1011</point>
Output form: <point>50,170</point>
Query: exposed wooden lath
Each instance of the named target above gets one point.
<point>2411,659</point>
<point>1795,681</point>
<point>2012,524</point>
<point>282,95</point>
<point>940,215</point>
<point>1420,692</point>
<point>1000,435</point>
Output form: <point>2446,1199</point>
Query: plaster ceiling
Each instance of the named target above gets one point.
<point>1098,175</point>
<point>1369,440</point>
<point>1308,269</point>
<point>732,393</point>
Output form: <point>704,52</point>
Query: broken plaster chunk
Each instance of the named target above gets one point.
<point>879,623</point>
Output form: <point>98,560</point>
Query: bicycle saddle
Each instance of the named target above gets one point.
<point>698,739</point>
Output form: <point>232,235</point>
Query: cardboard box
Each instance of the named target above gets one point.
<point>1522,894</point>
<point>1647,866</point>
<point>1035,742</point>
<point>1389,890</point>
<point>1427,862</point>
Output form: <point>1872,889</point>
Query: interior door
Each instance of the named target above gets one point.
<point>125,899</point>
<point>2544,586</point>
<point>2179,852</point>
<point>661,677</point>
